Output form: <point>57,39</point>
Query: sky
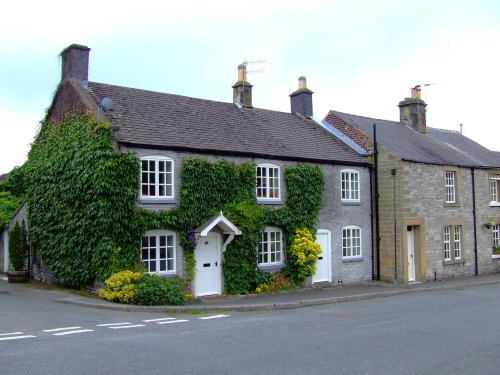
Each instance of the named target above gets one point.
<point>359,56</point>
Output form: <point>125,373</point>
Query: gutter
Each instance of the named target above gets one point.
<point>243,154</point>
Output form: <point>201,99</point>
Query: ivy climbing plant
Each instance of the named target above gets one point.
<point>81,199</point>
<point>85,225</point>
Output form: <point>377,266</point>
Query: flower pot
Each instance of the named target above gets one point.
<point>18,276</point>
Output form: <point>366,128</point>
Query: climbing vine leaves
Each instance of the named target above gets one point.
<point>85,225</point>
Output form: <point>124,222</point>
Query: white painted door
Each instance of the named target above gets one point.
<point>207,277</point>
<point>323,267</point>
<point>411,253</point>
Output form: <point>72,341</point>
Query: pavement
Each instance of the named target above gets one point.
<point>254,302</point>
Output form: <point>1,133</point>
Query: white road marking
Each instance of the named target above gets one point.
<point>15,337</point>
<point>157,320</point>
<point>73,332</point>
<point>10,334</point>
<point>129,326</point>
<point>214,317</point>
<point>174,321</point>
<point>112,324</point>
<point>60,329</point>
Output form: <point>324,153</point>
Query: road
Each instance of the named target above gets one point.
<point>440,332</point>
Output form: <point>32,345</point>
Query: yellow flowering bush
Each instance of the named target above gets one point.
<point>303,255</point>
<point>120,287</point>
<point>278,283</point>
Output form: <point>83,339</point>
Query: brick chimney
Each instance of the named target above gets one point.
<point>412,111</point>
<point>242,89</point>
<point>75,63</point>
<point>301,100</point>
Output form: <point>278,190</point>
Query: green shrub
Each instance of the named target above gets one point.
<point>142,289</point>
<point>153,290</point>
<point>18,248</point>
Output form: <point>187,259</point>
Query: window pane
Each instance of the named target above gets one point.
<point>163,265</point>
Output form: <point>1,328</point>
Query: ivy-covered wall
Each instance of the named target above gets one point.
<point>85,225</point>
<point>81,197</point>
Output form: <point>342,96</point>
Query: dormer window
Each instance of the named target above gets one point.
<point>268,182</point>
<point>157,177</point>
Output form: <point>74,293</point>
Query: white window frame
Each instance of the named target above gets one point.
<point>494,189</point>
<point>266,248</point>
<point>350,185</point>
<point>268,183</point>
<point>352,246</point>
<point>156,185</point>
<point>495,235</point>
<point>452,243</point>
<point>450,178</point>
<point>447,242</point>
<point>157,259</point>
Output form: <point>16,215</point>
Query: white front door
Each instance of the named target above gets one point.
<point>323,268</point>
<point>411,253</point>
<point>207,271</point>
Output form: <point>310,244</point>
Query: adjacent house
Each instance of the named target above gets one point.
<point>164,129</point>
<point>438,205</point>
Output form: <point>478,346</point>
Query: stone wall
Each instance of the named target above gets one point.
<point>416,197</point>
<point>333,216</point>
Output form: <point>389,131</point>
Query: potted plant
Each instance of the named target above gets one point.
<point>18,254</point>
<point>496,250</point>
<point>489,224</point>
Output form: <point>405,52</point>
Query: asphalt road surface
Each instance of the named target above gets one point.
<point>439,332</point>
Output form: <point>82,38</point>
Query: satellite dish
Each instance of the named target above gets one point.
<point>106,104</point>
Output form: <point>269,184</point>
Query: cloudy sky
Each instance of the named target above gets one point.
<point>359,56</point>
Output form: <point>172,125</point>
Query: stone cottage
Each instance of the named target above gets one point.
<point>164,129</point>
<point>438,195</point>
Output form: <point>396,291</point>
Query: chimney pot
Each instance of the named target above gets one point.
<point>416,92</point>
<point>302,83</point>
<point>242,73</point>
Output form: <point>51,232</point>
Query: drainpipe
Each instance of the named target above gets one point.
<point>476,272</point>
<point>371,221</point>
<point>375,174</point>
<point>393,174</point>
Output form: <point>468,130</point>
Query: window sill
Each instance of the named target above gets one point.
<point>494,256</point>
<point>271,267</point>
<point>269,201</point>
<point>163,273</point>
<point>151,200</point>
<point>451,262</point>
<point>455,204</point>
<point>351,203</point>
<point>352,260</point>
<point>494,204</point>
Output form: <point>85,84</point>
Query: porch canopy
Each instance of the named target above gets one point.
<point>223,224</point>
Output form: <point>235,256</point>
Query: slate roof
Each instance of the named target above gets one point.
<point>437,146</point>
<point>159,120</point>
